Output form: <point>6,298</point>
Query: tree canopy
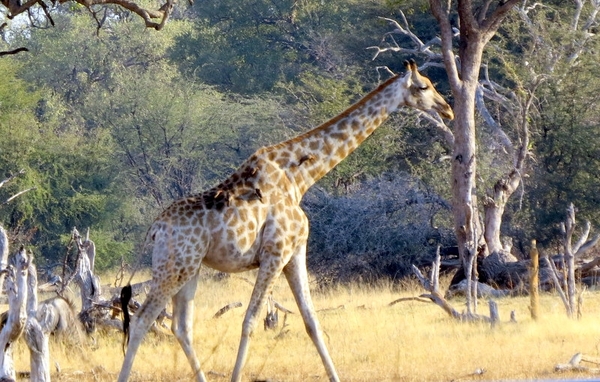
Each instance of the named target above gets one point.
<point>112,124</point>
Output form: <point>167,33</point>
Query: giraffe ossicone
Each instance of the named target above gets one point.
<point>253,220</point>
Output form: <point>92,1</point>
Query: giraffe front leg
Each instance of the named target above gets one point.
<point>183,324</point>
<point>267,274</point>
<point>297,277</point>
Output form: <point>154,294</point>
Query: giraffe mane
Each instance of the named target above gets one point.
<point>341,116</point>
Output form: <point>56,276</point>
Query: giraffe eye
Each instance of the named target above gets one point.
<point>423,87</point>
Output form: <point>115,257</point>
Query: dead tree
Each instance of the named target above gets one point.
<point>26,317</point>
<point>432,286</point>
<point>97,311</point>
<point>534,281</point>
<point>3,255</point>
<point>572,251</point>
<point>37,331</point>
<point>16,289</point>
<point>84,277</point>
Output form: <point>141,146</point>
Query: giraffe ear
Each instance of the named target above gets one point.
<point>416,76</point>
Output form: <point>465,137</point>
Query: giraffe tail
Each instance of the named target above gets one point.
<point>126,294</point>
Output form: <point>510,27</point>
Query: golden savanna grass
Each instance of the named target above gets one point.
<point>368,340</point>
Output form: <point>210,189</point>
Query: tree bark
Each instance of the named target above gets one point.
<point>3,255</point>
<point>16,288</point>
<point>88,283</point>
<point>534,282</point>
<point>36,333</point>
<point>476,29</point>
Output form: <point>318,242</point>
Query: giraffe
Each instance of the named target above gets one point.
<point>253,220</point>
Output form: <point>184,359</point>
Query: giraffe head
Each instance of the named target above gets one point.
<point>422,95</point>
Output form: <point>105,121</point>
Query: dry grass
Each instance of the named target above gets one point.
<point>368,340</point>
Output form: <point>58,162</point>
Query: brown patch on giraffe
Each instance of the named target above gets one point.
<point>343,152</point>
<point>304,158</point>
<point>250,171</point>
<point>216,199</point>
<point>243,242</point>
<point>284,157</point>
<point>341,136</point>
<point>250,195</point>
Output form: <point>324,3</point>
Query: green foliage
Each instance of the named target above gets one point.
<point>111,126</point>
<point>563,122</point>
<point>122,133</point>
<point>568,149</point>
<point>249,47</point>
<point>71,173</point>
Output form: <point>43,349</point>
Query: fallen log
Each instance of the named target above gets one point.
<point>574,364</point>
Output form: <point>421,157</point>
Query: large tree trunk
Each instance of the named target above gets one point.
<point>477,27</point>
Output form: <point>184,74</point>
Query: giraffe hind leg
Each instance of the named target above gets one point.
<point>140,325</point>
<point>183,324</point>
<point>267,274</point>
<point>297,277</point>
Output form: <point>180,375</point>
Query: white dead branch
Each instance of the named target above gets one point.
<point>3,255</point>
<point>567,289</point>
<point>431,285</point>
<point>402,299</point>
<point>96,311</point>
<point>227,308</point>
<point>12,197</point>
<point>16,289</point>
<point>483,290</point>
<point>272,319</point>
<point>37,330</point>
<point>574,364</point>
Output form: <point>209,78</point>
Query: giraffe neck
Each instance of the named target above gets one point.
<point>308,157</point>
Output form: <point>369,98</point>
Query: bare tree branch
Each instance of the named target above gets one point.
<point>496,128</point>
<point>3,182</point>
<point>437,121</point>
<point>421,47</point>
<point>441,13</point>
<point>14,51</point>
<point>155,19</point>
<point>492,22</point>
<point>17,194</point>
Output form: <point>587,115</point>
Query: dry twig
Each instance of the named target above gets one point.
<point>227,308</point>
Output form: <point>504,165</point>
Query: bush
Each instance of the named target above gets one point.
<point>375,231</point>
